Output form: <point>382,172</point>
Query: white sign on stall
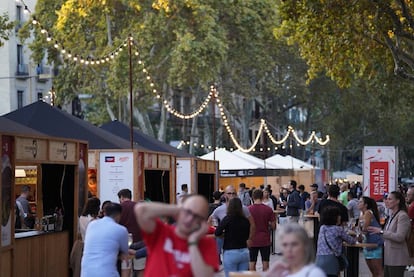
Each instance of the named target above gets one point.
<point>380,170</point>
<point>116,172</point>
<point>183,174</point>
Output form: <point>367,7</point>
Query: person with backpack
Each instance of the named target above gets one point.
<point>244,195</point>
<point>216,202</point>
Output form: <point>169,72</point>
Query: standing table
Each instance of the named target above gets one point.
<point>315,219</point>
<point>272,232</point>
<point>352,253</point>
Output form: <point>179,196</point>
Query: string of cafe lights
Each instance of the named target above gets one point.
<point>212,94</point>
<point>165,102</point>
<point>184,143</point>
<point>109,57</point>
<point>263,128</point>
<point>67,54</point>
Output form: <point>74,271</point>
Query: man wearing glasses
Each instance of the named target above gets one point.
<point>219,213</point>
<point>180,250</point>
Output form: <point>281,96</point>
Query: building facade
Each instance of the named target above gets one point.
<point>22,81</point>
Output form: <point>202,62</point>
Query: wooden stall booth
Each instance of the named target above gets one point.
<point>200,175</point>
<point>149,175</point>
<point>50,173</point>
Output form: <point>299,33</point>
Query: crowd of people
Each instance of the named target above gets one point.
<point>197,238</point>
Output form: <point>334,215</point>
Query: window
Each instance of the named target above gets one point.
<point>19,17</point>
<point>20,99</point>
<point>19,54</point>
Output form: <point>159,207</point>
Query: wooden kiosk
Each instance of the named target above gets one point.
<point>149,175</point>
<point>201,176</point>
<point>55,170</point>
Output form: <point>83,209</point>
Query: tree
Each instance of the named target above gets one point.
<point>5,27</point>
<point>349,38</point>
<point>186,45</point>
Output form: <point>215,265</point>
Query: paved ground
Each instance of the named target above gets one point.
<point>363,269</point>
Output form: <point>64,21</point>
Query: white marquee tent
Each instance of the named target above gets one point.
<point>288,162</point>
<point>230,161</point>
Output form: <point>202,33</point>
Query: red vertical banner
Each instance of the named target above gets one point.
<point>379,173</point>
<point>140,170</point>
<point>7,200</point>
<point>82,174</point>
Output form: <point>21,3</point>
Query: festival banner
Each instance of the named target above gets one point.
<point>380,171</point>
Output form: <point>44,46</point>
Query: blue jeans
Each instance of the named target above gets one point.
<point>235,260</point>
<point>219,243</point>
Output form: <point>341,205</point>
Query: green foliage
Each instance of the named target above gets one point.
<point>344,39</point>
<point>184,45</point>
<point>5,27</point>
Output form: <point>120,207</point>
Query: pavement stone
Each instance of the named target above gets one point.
<point>363,268</point>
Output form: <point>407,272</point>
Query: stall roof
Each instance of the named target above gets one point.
<point>288,162</point>
<point>54,122</point>
<point>120,129</point>
<point>229,161</point>
<point>10,126</point>
<point>265,163</point>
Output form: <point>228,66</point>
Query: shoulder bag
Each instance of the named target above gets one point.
<point>342,259</point>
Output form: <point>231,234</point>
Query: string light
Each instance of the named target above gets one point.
<point>213,92</point>
<point>67,54</point>
<point>165,102</point>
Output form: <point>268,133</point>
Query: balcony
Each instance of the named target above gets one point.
<point>22,71</point>
<point>43,73</point>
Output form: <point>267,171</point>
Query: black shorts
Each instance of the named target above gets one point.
<point>264,253</point>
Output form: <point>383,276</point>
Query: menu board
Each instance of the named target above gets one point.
<point>116,172</point>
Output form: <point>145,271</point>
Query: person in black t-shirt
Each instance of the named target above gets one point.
<point>216,202</point>
<point>332,200</point>
<point>236,229</point>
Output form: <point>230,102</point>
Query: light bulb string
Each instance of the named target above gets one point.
<point>263,128</point>
<point>88,60</point>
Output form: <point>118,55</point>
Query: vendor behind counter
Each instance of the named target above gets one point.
<point>24,217</point>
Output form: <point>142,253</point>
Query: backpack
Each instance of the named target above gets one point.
<point>246,199</point>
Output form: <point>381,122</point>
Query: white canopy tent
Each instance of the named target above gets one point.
<point>288,162</point>
<point>345,175</point>
<point>230,161</point>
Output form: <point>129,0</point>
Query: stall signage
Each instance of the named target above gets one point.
<point>31,149</point>
<point>116,172</point>
<point>164,161</point>
<point>150,160</point>
<point>62,151</point>
<point>255,172</point>
<point>380,165</point>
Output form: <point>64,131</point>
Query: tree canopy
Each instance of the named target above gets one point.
<point>186,45</point>
<point>350,38</point>
<point>5,27</point>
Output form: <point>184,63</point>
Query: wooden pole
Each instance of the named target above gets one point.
<point>131,111</point>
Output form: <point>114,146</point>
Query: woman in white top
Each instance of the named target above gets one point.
<point>89,213</point>
<point>298,254</point>
<point>267,200</point>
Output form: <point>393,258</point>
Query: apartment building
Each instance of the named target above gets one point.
<point>22,82</point>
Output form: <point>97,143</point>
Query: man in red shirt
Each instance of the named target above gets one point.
<point>265,222</point>
<point>181,250</point>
